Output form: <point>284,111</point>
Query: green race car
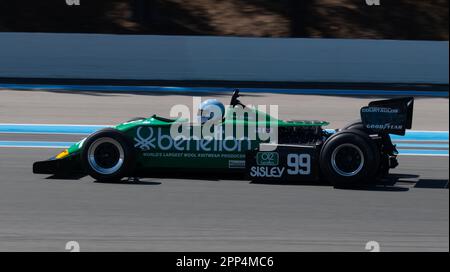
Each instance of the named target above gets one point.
<point>302,150</point>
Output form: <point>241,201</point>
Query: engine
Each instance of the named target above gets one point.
<point>300,135</point>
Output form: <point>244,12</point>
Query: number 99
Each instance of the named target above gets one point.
<point>299,164</point>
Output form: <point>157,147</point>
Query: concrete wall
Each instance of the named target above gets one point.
<point>93,56</point>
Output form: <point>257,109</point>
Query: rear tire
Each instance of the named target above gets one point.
<point>385,140</point>
<point>107,155</point>
<point>358,125</point>
<point>348,158</point>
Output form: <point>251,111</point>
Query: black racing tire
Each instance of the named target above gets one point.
<point>384,159</point>
<point>349,158</point>
<point>108,156</point>
<point>358,125</point>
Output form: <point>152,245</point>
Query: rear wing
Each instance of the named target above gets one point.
<point>392,116</point>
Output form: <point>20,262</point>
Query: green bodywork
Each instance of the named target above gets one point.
<point>155,148</point>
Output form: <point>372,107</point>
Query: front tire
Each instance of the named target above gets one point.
<point>348,158</point>
<point>107,155</point>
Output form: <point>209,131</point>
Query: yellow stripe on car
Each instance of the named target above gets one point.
<point>63,154</point>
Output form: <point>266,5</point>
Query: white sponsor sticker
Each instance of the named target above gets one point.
<point>236,164</point>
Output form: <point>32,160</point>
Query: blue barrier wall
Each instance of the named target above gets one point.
<point>140,57</point>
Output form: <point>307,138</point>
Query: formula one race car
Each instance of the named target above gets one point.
<point>302,150</point>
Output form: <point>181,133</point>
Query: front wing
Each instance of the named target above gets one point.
<point>64,167</point>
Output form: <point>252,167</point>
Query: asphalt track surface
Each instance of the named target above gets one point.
<point>102,108</point>
<point>180,214</point>
<point>409,212</point>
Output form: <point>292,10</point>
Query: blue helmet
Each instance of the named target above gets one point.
<point>211,109</point>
